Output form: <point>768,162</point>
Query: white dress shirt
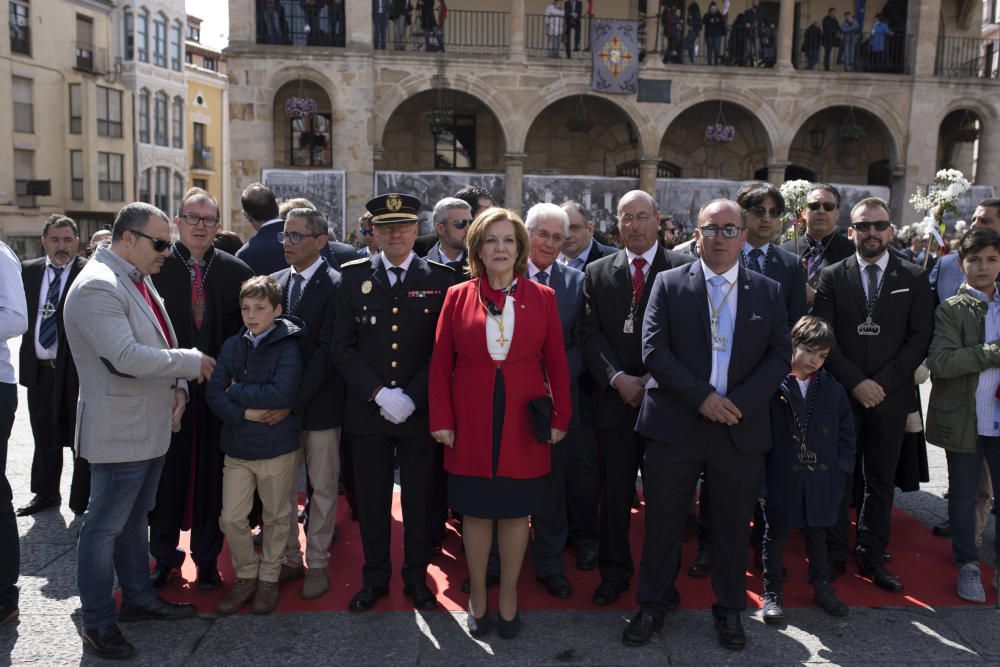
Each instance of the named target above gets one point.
<point>649,256</point>
<point>307,275</point>
<point>882,262</point>
<point>392,274</point>
<point>13,309</point>
<point>496,350</point>
<point>731,276</point>
<point>42,353</point>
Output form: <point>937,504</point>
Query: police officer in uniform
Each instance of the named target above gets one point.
<point>382,348</point>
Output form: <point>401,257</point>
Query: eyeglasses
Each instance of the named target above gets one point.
<point>365,232</point>
<point>827,206</point>
<point>628,218</point>
<point>194,220</point>
<point>545,236</point>
<point>295,238</point>
<point>729,231</point>
<point>159,245</point>
<point>762,212</point>
<point>461,224</point>
<point>866,225</point>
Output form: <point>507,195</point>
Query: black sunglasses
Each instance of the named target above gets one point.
<point>729,231</point>
<point>827,206</point>
<point>865,226</point>
<point>760,212</point>
<point>461,224</point>
<point>159,245</point>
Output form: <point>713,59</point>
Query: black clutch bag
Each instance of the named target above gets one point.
<point>540,413</point>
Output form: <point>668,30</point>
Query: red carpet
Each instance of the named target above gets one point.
<point>922,561</point>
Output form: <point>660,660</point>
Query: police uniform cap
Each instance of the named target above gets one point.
<point>393,208</point>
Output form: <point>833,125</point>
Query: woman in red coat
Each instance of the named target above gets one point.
<point>499,345</point>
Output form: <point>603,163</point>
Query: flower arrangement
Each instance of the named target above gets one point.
<point>439,120</point>
<point>722,133</point>
<point>941,196</point>
<point>300,107</point>
<point>794,193</point>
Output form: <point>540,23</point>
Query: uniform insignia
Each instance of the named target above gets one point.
<point>419,294</point>
<point>393,202</point>
<point>366,287</point>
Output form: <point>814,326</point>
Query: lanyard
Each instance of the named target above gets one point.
<point>717,310</point>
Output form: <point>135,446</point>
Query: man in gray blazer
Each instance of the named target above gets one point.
<point>452,218</point>
<point>133,390</point>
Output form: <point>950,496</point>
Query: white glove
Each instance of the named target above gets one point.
<point>411,407</point>
<point>395,406</point>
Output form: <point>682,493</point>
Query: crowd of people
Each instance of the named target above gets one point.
<point>517,375</point>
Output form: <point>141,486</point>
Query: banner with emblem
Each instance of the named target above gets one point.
<point>615,47</point>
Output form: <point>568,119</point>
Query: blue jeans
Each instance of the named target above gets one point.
<point>381,22</point>
<point>963,489</point>
<point>714,44</point>
<point>10,552</point>
<point>114,539</point>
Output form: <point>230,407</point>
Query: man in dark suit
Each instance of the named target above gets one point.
<point>334,252</point>
<point>580,247</point>
<point>310,288</point>
<point>715,340</point>
<point>616,289</point>
<point>821,245</point>
<point>47,368</point>
<point>388,307</point>
<point>882,310</point>
<point>547,226</point>
<point>573,11</point>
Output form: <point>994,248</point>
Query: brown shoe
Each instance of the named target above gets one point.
<point>242,592</point>
<point>266,599</point>
<point>317,583</point>
<point>291,572</point>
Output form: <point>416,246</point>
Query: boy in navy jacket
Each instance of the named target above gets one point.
<point>812,430</point>
<point>258,370</point>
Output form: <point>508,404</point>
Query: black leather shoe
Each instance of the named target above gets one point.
<point>557,585</point>
<point>109,644</point>
<point>826,598</point>
<point>38,504</point>
<point>586,557</point>
<point>606,593</point>
<point>641,628</point>
<point>209,578</point>
<point>509,629</point>
<point>701,566</point>
<point>943,529</point>
<point>491,581</point>
<point>422,596</point>
<point>162,574</point>
<point>880,576</point>
<point>158,610</point>
<point>366,598</point>
<point>729,630</point>
<point>772,612</point>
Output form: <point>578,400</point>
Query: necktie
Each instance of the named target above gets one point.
<point>398,285</point>
<point>872,271</point>
<point>198,296</point>
<point>141,286</point>
<point>295,294</point>
<point>638,279</point>
<point>577,264</point>
<point>757,260</point>
<point>47,331</point>
<point>724,329</point>
<point>542,277</point>
<point>814,259</point>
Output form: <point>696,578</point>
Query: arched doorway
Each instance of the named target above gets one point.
<point>958,142</point>
<point>716,140</point>
<point>845,144</point>
<point>303,126</point>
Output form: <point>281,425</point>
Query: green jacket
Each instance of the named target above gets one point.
<point>958,353</point>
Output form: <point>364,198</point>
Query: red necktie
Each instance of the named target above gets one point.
<point>141,286</point>
<point>198,297</point>
<point>638,279</point>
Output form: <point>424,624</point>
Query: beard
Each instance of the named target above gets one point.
<point>870,251</point>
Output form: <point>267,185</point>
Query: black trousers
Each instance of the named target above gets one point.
<point>10,550</point>
<point>705,520</point>
<point>775,539</point>
<point>551,526</point>
<point>879,439</point>
<point>669,478</point>
<point>47,461</point>
<point>373,475</point>
<point>619,455</point>
<point>583,481</point>
<point>574,28</point>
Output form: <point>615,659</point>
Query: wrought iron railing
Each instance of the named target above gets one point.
<point>551,35</point>
<point>201,158</point>
<point>968,57</point>
<point>866,52</point>
<point>90,58</point>
<point>298,23</point>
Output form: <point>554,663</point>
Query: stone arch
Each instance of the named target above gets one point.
<point>879,108</point>
<point>684,141</point>
<point>845,144</point>
<point>302,142</point>
<point>959,141</point>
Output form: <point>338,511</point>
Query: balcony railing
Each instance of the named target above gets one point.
<point>463,31</point>
<point>735,48</point>
<point>887,54</point>
<point>547,36</point>
<point>90,58</point>
<point>968,57</point>
<point>22,199</point>
<point>289,22</point>
<point>201,158</point>
<point>20,39</point>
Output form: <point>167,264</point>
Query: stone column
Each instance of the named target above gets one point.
<point>923,35</point>
<point>776,172</point>
<point>647,174</point>
<point>517,31</point>
<point>360,32</point>
<point>513,170</point>
<point>242,23</point>
<point>900,189</point>
<point>786,34</point>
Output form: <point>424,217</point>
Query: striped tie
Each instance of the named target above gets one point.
<point>47,331</point>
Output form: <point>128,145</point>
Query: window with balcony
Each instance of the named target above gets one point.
<point>20,28</point>
<point>162,197</point>
<point>310,139</point>
<point>75,109</point>
<point>200,183</point>
<point>76,175</point>
<point>160,40</point>
<point>202,154</point>
<point>178,190</point>
<point>85,43</point>
<point>109,112</point>
<point>177,123</point>
<point>160,136</point>
<point>194,33</point>
<point>188,58</point>
<point>176,62</point>
<point>128,25</point>
<point>24,173</point>
<point>110,176</point>
<point>144,116</point>
<point>210,63</point>
<point>142,35</point>
<point>146,186</point>
<point>455,148</point>
<point>24,109</point>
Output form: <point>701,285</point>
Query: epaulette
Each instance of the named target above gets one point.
<point>356,262</point>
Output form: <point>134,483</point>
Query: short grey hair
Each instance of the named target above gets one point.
<point>315,220</point>
<point>133,217</point>
<point>448,204</point>
<point>538,211</point>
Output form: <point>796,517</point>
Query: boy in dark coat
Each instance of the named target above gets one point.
<point>812,430</point>
<point>259,369</point>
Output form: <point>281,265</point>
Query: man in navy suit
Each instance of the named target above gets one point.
<point>334,252</point>
<point>715,341</point>
<point>580,247</point>
<point>547,230</point>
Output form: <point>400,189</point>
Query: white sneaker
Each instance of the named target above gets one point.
<point>970,585</point>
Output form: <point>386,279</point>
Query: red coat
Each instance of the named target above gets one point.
<point>462,375</point>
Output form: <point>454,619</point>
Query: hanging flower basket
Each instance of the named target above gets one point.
<point>440,120</point>
<point>965,134</point>
<point>300,107</point>
<point>852,132</point>
<point>722,133</point>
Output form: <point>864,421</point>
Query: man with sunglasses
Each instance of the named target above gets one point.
<point>133,392</point>
<point>882,310</point>
<point>822,244</point>
<point>452,218</point>
<point>715,341</point>
<point>200,287</point>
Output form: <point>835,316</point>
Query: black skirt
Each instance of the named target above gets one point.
<point>495,497</point>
